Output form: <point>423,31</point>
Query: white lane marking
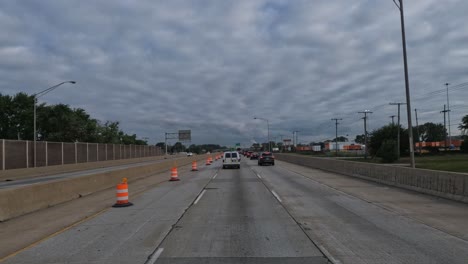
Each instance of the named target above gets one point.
<point>258,175</point>
<point>199,197</point>
<point>215,175</point>
<point>155,256</point>
<point>276,195</point>
<point>328,255</point>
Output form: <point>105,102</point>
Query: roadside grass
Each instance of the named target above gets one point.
<point>448,162</point>
<point>455,162</point>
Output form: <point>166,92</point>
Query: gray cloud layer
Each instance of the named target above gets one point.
<point>210,66</point>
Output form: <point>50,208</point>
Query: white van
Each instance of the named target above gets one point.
<point>231,159</point>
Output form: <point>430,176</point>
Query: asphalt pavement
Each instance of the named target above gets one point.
<point>258,214</point>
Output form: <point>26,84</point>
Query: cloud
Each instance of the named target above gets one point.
<point>210,66</point>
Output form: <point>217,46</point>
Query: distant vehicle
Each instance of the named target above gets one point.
<point>266,158</point>
<point>231,159</point>
<point>254,156</point>
<point>189,154</point>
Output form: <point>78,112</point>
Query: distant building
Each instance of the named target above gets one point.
<point>303,148</point>
<point>440,144</point>
<point>343,146</point>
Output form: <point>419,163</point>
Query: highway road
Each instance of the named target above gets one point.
<point>268,214</point>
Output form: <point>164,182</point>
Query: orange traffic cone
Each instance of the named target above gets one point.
<point>194,166</point>
<point>207,162</point>
<point>174,176</point>
<point>211,159</point>
<point>122,194</point>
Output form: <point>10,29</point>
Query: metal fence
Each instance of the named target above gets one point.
<point>16,154</point>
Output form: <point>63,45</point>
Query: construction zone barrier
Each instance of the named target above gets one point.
<point>174,175</point>
<point>122,194</point>
<point>194,166</point>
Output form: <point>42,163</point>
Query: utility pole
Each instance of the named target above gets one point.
<point>408,100</point>
<point>282,143</point>
<point>398,128</point>
<point>336,134</point>
<point>392,117</point>
<point>445,127</point>
<point>296,137</point>
<point>448,116</point>
<point>365,130</point>
<point>417,129</point>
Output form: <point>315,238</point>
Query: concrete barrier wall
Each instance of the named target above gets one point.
<point>21,200</point>
<point>444,184</point>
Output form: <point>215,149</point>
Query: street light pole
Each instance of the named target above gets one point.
<point>268,129</point>
<point>35,96</point>
<point>408,100</point>
<point>448,116</point>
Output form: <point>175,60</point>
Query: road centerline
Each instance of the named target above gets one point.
<point>155,256</point>
<point>276,196</point>
<point>199,197</point>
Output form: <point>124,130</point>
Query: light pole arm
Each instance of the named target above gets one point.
<point>35,96</point>
<point>41,93</point>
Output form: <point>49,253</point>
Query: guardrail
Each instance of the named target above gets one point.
<point>16,154</point>
<point>444,184</point>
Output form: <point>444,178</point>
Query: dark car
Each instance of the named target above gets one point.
<point>254,156</point>
<point>266,158</point>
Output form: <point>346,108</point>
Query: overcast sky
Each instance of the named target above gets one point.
<point>211,65</point>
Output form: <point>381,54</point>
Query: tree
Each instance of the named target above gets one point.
<point>387,151</point>
<point>195,149</point>
<point>340,139</point>
<point>464,124</point>
<point>109,133</point>
<point>430,132</point>
<point>385,133</point>
<point>360,139</point>
<point>56,123</point>
<point>16,116</point>
<point>6,112</point>
<point>178,147</point>
<point>464,146</point>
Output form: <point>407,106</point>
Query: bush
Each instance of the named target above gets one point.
<point>464,146</point>
<point>432,150</point>
<point>388,151</point>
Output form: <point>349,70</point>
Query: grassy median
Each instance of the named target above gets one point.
<point>447,162</point>
<point>455,162</point>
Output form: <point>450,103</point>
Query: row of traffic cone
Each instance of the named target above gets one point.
<point>209,160</point>
<point>122,188</point>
